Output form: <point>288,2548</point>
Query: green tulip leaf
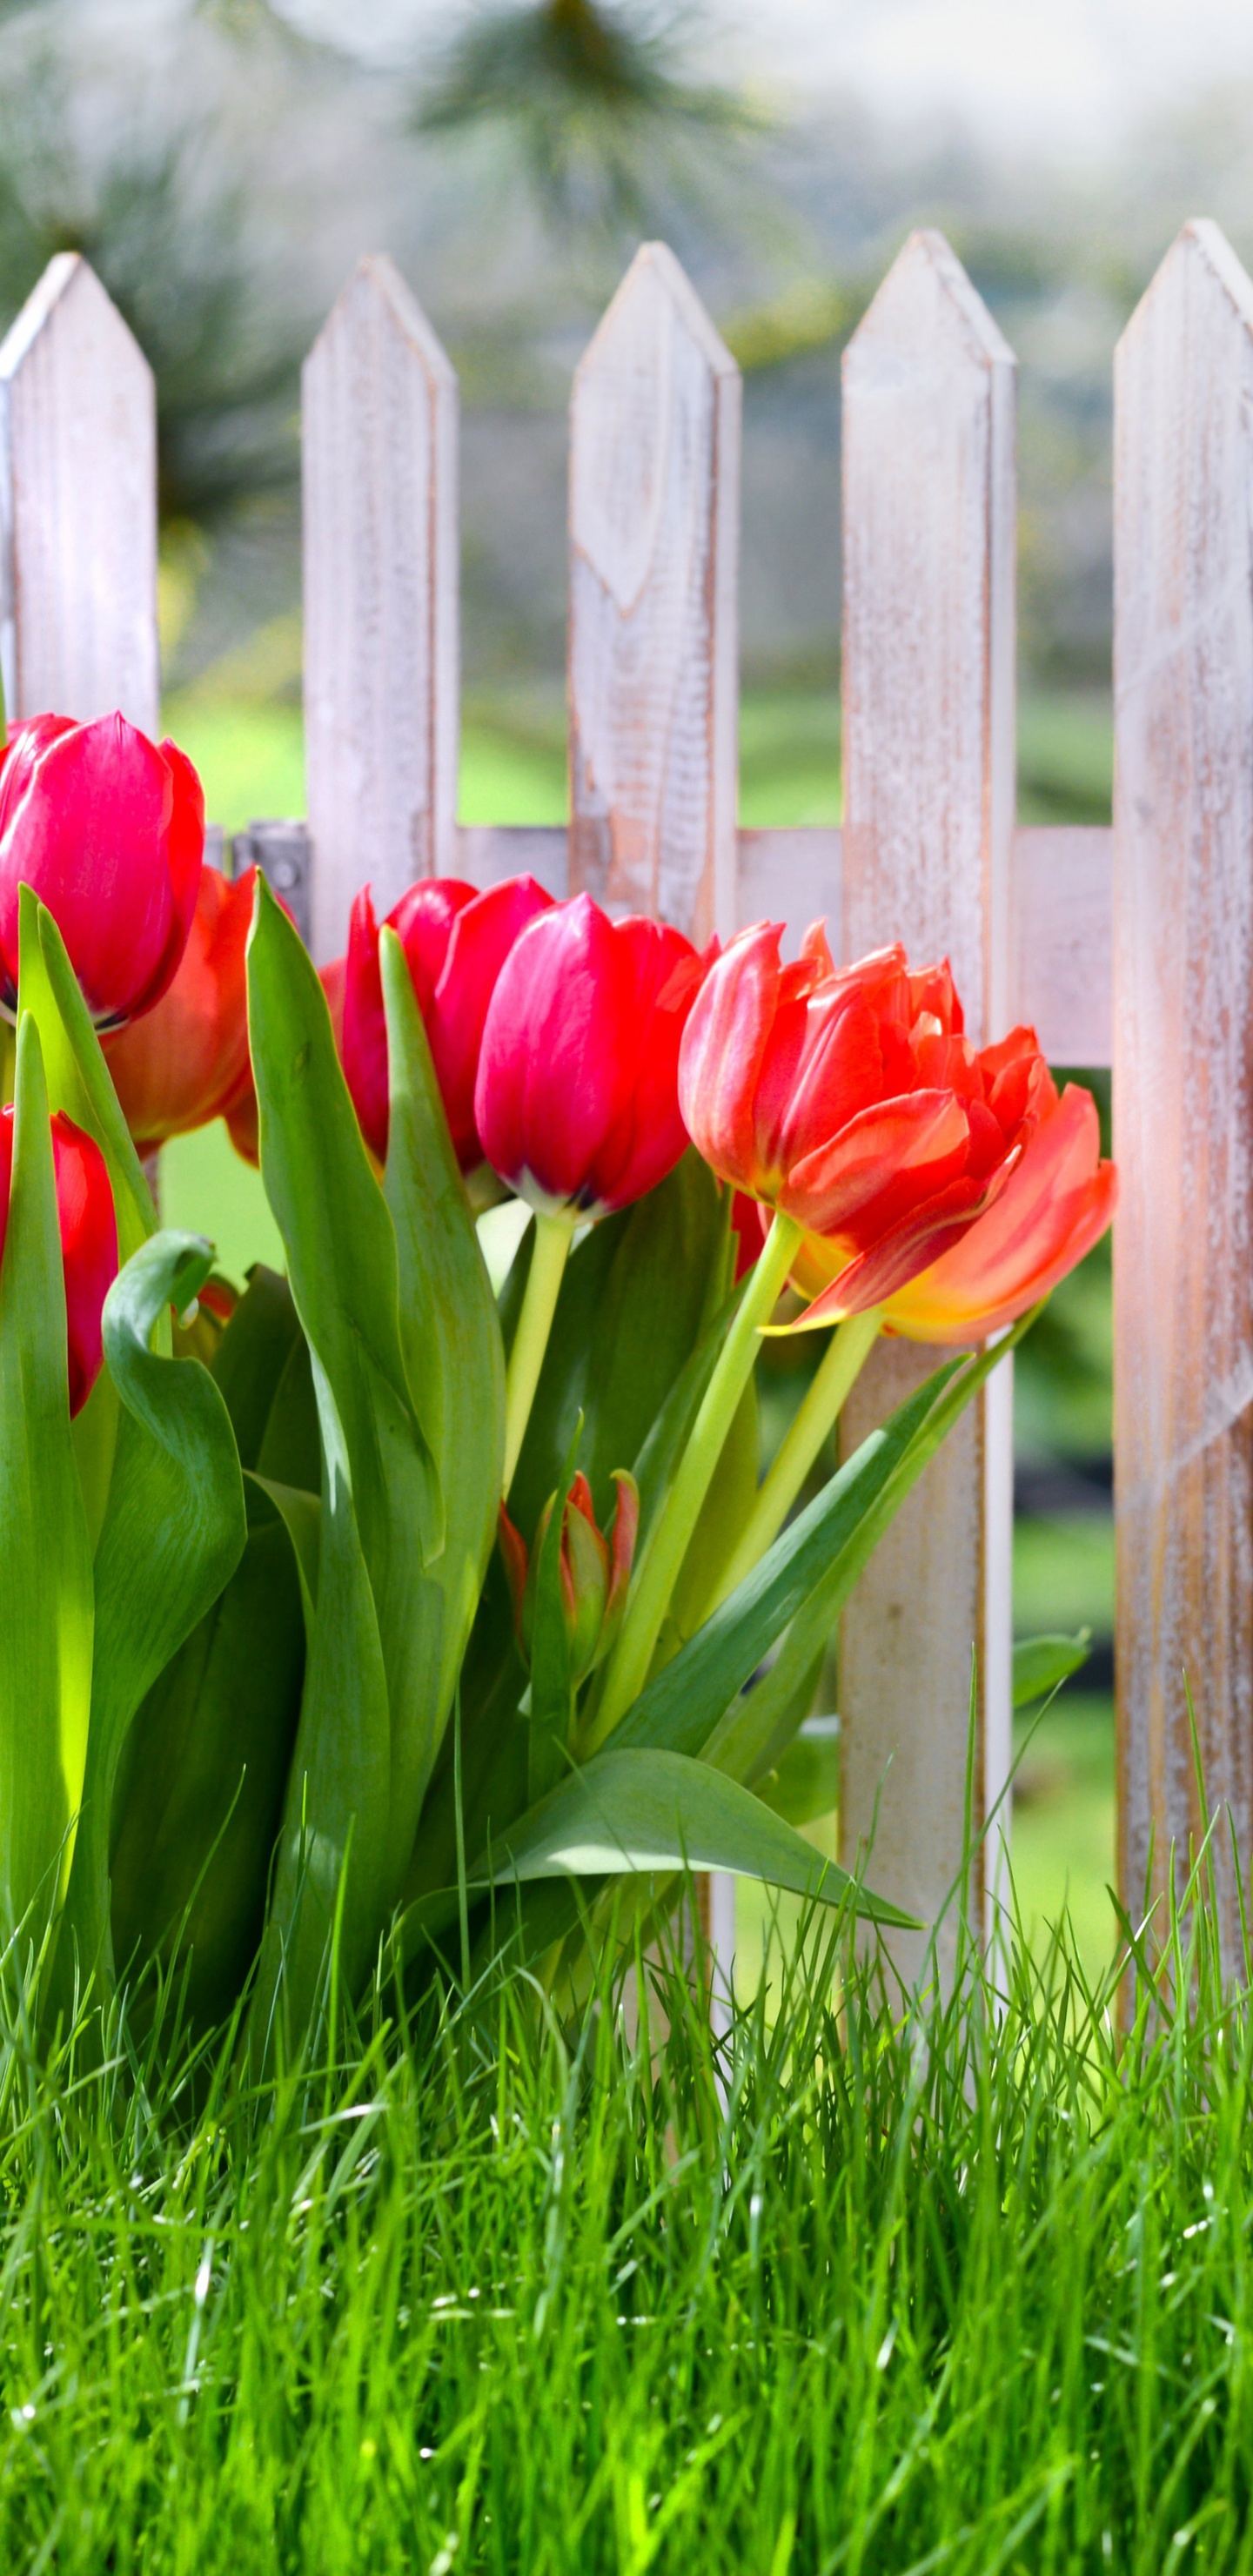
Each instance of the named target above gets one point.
<point>79,1080</point>
<point>45,1667</point>
<point>173,1535</point>
<point>635,1302</point>
<point>208,1762</point>
<point>381,1518</point>
<point>301,1515</point>
<point>455,1362</point>
<point>657,1812</point>
<point>1041,1664</point>
<point>801,1585</point>
<point>251,1360</point>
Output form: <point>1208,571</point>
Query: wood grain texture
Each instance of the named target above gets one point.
<point>1063,959</point>
<point>78,506</point>
<point>1183,1025</point>
<point>929,535</point>
<point>654,541</point>
<point>381,599</point>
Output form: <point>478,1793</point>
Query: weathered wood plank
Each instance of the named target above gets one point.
<point>1183,1026</point>
<point>1063,940</point>
<point>381,599</point>
<point>78,506</point>
<point>654,545</point>
<point>929,534</point>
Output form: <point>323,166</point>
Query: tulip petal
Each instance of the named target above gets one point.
<point>557,1053</point>
<point>880,1164</point>
<point>648,1135</point>
<point>96,821</point>
<point>185,858</point>
<point>482,938</point>
<point>1054,1207</point>
<point>723,1051</point>
<point>186,1061</point>
<point>364,1044</point>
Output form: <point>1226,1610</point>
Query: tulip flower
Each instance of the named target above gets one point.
<point>1054,1206</point>
<point>593,1572</point>
<point>576,1101</point>
<point>186,1060</point>
<point>88,1229</point>
<point>854,1104</point>
<point>455,942</point>
<point>109,832</point>
<point>577,1094</point>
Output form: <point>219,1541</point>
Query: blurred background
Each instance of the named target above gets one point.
<point>224,162</point>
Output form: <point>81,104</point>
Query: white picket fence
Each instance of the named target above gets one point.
<point>1135,945</point>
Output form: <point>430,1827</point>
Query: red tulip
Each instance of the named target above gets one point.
<point>455,942</point>
<point>577,1095</point>
<point>1055,1205</point>
<point>109,832</point>
<point>88,1240</point>
<point>186,1061</point>
<point>854,1103</point>
<point>593,1572</point>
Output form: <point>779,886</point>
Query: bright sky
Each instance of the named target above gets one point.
<point>1062,73</point>
<point>1066,75</point>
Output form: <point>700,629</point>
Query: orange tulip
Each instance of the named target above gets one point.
<point>853,1102</point>
<point>1055,1205</point>
<point>186,1060</point>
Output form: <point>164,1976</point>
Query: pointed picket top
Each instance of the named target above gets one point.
<point>929,538</point>
<point>928,693</point>
<point>1183,1024</point>
<point>654,551</point>
<point>78,506</point>
<point>381,603</point>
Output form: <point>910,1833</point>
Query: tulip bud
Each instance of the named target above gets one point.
<point>88,1230</point>
<point>593,1573</point>
<point>109,832</point>
<point>186,1060</point>
<point>577,1093</point>
<point>455,942</point>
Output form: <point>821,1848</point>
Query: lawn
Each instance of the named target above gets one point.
<point>965,2293</point>
<point>513,770</point>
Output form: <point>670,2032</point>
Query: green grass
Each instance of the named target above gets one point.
<point>962,2290</point>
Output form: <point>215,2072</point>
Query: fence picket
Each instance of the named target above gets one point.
<point>381,599</point>
<point>654,550</point>
<point>1183,1021</point>
<point>78,506</point>
<point>928,651</point>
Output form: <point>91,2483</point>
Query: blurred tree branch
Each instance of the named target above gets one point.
<point>595,98</point>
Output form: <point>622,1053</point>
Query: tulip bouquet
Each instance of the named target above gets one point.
<point>366,1611</point>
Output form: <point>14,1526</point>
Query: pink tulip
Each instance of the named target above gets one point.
<point>108,830</point>
<point>577,1095</point>
<point>455,942</point>
<point>88,1240</point>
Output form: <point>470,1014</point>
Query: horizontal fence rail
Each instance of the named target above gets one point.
<point>1132,947</point>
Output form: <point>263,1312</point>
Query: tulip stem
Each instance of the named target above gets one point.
<point>627,1670</point>
<point>549,1255</point>
<point>846,1354</point>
